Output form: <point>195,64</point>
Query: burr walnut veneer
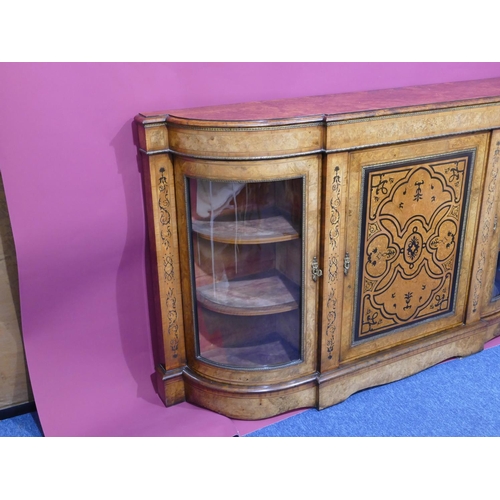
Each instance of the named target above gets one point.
<point>305,249</point>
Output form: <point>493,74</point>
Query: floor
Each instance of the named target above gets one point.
<point>28,424</point>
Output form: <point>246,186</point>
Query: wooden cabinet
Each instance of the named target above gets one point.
<point>306,249</point>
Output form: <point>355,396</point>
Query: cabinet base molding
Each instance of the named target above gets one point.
<point>338,385</point>
<point>250,403</point>
<point>493,327</point>
<point>322,390</point>
<point>170,385</point>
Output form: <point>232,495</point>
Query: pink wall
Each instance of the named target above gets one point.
<point>73,186</point>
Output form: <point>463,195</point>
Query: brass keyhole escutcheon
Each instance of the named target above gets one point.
<point>315,270</point>
<point>347,263</point>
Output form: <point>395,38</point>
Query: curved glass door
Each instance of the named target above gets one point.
<point>495,293</point>
<point>247,260</point>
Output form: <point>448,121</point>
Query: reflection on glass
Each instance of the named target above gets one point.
<point>246,241</point>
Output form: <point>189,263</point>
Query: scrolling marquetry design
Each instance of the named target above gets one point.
<point>412,229</point>
<point>168,274</point>
<point>486,227</point>
<point>333,262</point>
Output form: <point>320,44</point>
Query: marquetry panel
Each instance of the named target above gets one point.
<point>411,237</point>
<point>415,206</point>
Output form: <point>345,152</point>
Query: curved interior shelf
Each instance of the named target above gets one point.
<point>274,351</point>
<point>256,231</point>
<point>252,296</point>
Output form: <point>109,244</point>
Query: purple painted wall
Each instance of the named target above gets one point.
<point>69,164</point>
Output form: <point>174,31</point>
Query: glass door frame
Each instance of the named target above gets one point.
<point>309,168</point>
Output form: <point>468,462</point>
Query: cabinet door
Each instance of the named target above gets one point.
<point>411,225</point>
<point>249,232</point>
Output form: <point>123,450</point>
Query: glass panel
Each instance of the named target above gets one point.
<point>246,245</point>
<point>496,285</point>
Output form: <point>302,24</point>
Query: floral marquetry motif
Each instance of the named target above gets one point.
<point>333,237</point>
<point>165,221</point>
<point>334,258</point>
<point>412,232</point>
<point>488,228</point>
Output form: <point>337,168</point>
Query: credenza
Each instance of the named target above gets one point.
<point>305,249</point>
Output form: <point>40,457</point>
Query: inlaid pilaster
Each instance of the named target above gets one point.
<point>333,258</point>
<point>488,238</point>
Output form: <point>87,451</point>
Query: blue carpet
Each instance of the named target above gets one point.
<point>458,398</point>
<point>26,425</point>
<point>453,399</point>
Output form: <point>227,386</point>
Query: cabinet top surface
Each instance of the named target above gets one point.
<point>339,106</point>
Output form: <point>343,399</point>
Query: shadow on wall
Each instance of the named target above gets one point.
<point>134,304</point>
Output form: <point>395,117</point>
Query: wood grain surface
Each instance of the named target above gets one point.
<point>340,106</point>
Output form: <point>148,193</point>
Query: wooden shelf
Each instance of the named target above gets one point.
<point>275,351</point>
<point>253,296</point>
<point>266,230</point>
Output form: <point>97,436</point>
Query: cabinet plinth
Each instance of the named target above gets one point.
<point>306,249</point>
